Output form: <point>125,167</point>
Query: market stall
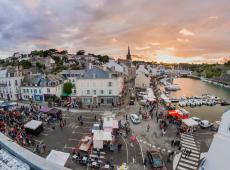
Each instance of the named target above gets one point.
<point>100,137</point>
<point>178,114</point>
<point>34,127</point>
<point>58,157</point>
<point>55,112</point>
<point>45,110</point>
<point>85,144</point>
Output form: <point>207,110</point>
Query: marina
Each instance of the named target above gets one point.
<point>218,98</point>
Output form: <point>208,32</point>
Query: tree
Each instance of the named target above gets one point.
<point>67,87</point>
<point>41,66</point>
<point>25,64</point>
<point>103,59</point>
<point>81,52</point>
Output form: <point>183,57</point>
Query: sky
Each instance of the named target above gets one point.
<point>193,31</point>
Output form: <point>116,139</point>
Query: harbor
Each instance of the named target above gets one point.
<point>201,99</point>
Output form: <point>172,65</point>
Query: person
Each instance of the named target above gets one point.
<point>172,142</point>
<point>119,146</point>
<point>163,131</point>
<point>126,117</point>
<point>95,117</point>
<point>148,127</point>
<point>145,161</point>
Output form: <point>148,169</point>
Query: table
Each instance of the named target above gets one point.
<point>74,156</point>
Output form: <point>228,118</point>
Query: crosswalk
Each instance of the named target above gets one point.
<point>190,162</point>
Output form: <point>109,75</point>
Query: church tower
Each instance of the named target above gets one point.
<point>128,56</point>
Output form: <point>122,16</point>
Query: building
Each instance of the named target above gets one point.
<point>218,154</point>
<point>38,87</point>
<point>142,80</point>
<point>112,64</point>
<point>99,86</point>
<point>31,88</point>
<point>52,86</point>
<point>10,82</point>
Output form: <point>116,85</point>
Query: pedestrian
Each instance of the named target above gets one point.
<point>95,117</point>
<point>148,127</point>
<point>145,161</point>
<point>126,117</point>
<point>157,119</point>
<point>65,121</point>
<point>179,147</point>
<point>172,142</point>
<point>163,131</point>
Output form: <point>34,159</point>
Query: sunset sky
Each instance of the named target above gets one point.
<point>156,30</point>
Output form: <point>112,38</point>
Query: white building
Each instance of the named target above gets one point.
<point>40,87</point>
<point>219,151</point>
<point>142,80</point>
<point>98,86</point>
<point>10,82</point>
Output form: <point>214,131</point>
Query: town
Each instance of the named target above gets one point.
<point>81,111</point>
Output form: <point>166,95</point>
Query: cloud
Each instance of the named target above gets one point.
<point>186,32</point>
<point>182,40</point>
<point>213,17</point>
<point>108,27</point>
<point>155,43</point>
<point>114,40</point>
<point>142,48</point>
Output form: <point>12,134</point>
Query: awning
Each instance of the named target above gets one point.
<point>58,157</point>
<point>45,109</point>
<point>65,94</point>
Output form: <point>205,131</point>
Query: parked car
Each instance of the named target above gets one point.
<point>197,119</point>
<point>135,119</point>
<point>155,159</point>
<point>131,102</point>
<point>204,124</point>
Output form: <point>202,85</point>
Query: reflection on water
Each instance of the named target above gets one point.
<point>192,87</point>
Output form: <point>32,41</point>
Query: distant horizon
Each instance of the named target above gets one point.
<point>167,31</point>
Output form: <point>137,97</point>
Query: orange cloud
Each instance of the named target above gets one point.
<point>186,32</point>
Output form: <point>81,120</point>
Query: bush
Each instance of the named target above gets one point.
<point>67,87</point>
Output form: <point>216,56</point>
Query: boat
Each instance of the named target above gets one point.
<point>172,87</point>
<point>224,103</point>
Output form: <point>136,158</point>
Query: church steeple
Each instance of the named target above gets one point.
<point>128,56</point>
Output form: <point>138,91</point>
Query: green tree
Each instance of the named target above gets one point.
<point>81,52</point>
<point>25,64</point>
<point>67,87</point>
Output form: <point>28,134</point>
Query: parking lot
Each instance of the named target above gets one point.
<point>67,138</point>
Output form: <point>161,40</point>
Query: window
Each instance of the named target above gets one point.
<point>24,90</point>
<point>110,84</point>
<point>35,91</point>
<point>102,91</point>
<point>109,100</point>
<point>110,91</point>
<point>31,90</point>
<point>40,91</point>
<point>94,92</point>
<point>88,91</point>
<point>16,82</point>
<point>48,90</point>
<point>27,90</point>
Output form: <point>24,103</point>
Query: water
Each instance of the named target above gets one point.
<point>193,87</point>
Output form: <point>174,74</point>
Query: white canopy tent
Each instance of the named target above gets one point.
<point>33,124</point>
<point>99,137</point>
<point>58,157</point>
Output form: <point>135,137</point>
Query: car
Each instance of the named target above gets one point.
<point>204,124</point>
<point>131,102</point>
<point>155,159</point>
<point>96,126</point>
<point>197,119</point>
<point>135,119</point>
<point>215,126</point>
